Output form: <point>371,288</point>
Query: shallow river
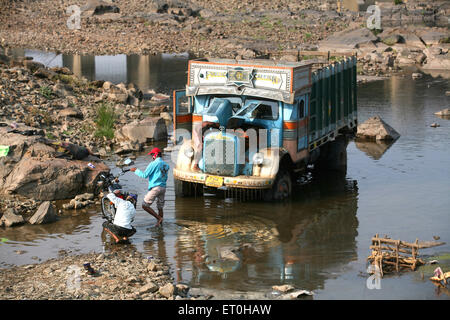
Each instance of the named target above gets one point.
<point>317,241</point>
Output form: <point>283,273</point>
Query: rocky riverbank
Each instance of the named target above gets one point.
<point>234,29</point>
<point>57,127</point>
<point>119,274</point>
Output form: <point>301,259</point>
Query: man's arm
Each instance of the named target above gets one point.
<point>148,171</point>
<point>114,199</point>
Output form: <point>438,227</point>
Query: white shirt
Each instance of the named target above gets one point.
<point>125,211</point>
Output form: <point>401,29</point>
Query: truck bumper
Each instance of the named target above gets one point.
<point>246,182</point>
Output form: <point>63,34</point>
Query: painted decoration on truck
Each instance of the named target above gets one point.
<point>262,78</point>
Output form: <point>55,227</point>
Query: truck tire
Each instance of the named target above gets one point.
<point>281,188</point>
<point>187,189</point>
<point>333,155</point>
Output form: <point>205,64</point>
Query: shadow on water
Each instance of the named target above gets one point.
<point>257,245</point>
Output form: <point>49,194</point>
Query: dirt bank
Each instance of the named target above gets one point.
<point>119,274</point>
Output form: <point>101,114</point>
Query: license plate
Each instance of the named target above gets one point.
<point>214,181</point>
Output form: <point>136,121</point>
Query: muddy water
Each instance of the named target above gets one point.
<point>317,241</point>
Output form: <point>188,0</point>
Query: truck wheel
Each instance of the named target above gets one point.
<point>187,189</point>
<point>282,187</point>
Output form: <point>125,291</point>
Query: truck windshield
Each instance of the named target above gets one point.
<point>265,110</point>
<point>236,102</point>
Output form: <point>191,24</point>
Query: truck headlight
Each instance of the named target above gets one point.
<point>258,158</point>
<point>189,152</point>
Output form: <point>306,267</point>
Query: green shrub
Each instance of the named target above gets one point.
<point>46,92</point>
<point>105,121</point>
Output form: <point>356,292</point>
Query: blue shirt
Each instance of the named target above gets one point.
<point>157,172</point>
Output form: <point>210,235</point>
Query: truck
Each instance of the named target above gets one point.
<point>251,127</point>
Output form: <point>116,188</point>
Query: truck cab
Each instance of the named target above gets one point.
<point>251,126</point>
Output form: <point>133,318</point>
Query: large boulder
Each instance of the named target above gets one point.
<point>375,128</point>
<point>347,40</point>
<point>46,213</point>
<point>51,179</point>
<point>149,129</point>
<point>31,169</point>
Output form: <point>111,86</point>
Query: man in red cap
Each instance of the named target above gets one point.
<point>156,173</point>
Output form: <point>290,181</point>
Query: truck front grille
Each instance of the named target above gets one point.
<point>220,154</point>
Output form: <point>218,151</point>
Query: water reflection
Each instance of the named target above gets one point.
<point>374,149</point>
<point>252,246</point>
<point>160,72</point>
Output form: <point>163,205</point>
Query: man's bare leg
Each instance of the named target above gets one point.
<point>153,213</point>
<point>160,217</point>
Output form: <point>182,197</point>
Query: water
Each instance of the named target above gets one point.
<point>317,241</point>
<point>161,72</point>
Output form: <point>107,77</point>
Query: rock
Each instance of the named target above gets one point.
<point>10,219</point>
<point>296,294</point>
<point>283,288</point>
<point>439,62</point>
<point>45,214</point>
<point>45,73</point>
<point>33,65</point>
<point>444,112</point>
<point>182,289</point>
<point>416,75</point>
<point>128,146</point>
<point>391,39</point>
<point>411,40</point>
<point>70,112</point>
<point>152,267</point>
<point>247,53</point>
<point>84,197</point>
<point>149,129</point>
<point>118,97</point>
<point>289,58</point>
<point>132,100</point>
<point>50,179</point>
<point>375,128</point>
<point>107,85</point>
<point>433,37</point>
<point>98,7</point>
<point>150,287</point>
<point>347,40</point>
<point>167,290</point>
<point>206,13</point>
<point>159,97</point>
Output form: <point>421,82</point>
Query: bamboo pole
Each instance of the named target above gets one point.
<point>396,253</point>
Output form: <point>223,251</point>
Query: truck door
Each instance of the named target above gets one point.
<point>302,133</point>
<point>182,116</point>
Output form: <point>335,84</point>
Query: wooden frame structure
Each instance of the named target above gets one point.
<point>388,254</point>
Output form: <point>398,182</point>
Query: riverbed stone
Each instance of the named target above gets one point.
<point>10,218</point>
<point>46,213</point>
<point>443,112</point>
<point>149,287</point>
<point>148,129</point>
<point>167,290</point>
<point>375,128</point>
